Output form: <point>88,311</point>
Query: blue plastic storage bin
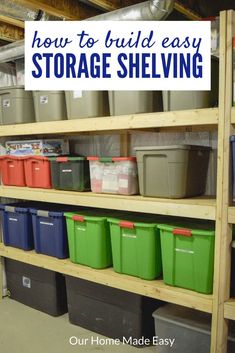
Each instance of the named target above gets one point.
<point>50,233</point>
<point>17,226</point>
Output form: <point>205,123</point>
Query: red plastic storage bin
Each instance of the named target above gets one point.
<point>37,172</point>
<point>12,170</point>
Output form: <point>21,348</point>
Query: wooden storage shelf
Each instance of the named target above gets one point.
<point>154,289</point>
<point>184,118</point>
<point>229,309</point>
<point>198,207</point>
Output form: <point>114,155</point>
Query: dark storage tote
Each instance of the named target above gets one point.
<point>172,171</point>
<point>37,172</point>
<point>188,256</point>
<point>16,105</point>
<point>36,287</point>
<point>17,226</point>
<point>49,232</point>
<point>12,170</point>
<point>136,247</point>
<point>70,173</point>
<point>89,239</point>
<point>189,328</point>
<point>109,311</point>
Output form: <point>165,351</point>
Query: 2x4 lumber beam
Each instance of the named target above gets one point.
<point>68,9</point>
<point>10,33</point>
<point>12,21</point>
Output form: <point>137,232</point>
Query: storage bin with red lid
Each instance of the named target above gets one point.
<point>37,172</point>
<point>115,175</point>
<point>12,170</point>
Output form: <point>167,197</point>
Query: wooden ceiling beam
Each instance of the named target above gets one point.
<point>68,9</point>
<point>12,21</point>
<point>10,32</point>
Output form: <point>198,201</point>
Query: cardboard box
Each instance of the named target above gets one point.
<point>51,147</point>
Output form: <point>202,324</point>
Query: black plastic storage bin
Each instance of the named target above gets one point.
<point>233,270</point>
<point>70,173</point>
<point>36,287</point>
<point>109,311</point>
<point>17,226</point>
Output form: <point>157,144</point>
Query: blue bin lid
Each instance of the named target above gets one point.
<point>45,213</point>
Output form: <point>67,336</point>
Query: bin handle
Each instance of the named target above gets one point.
<point>126,224</point>
<point>62,159</point>
<point>183,232</point>
<point>78,218</point>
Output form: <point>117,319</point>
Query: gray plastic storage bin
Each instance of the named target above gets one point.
<point>189,328</point>
<point>86,104</point>
<point>16,105</point>
<point>172,171</point>
<point>49,105</point>
<point>180,100</point>
<point>134,102</point>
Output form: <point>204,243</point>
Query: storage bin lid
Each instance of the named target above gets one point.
<point>8,88</point>
<point>46,93</point>
<point>111,159</point>
<point>11,157</point>
<point>172,147</point>
<point>66,159</point>
<point>188,318</point>
<point>189,229</point>
<point>184,317</point>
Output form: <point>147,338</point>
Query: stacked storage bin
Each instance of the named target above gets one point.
<point>121,314</point>
<point>116,175</point>
<point>49,105</point>
<point>36,287</point>
<point>16,105</point>
<point>188,255</point>
<point>89,238</point>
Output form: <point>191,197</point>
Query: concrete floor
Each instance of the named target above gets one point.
<point>25,330</point>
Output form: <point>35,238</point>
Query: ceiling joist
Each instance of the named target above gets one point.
<point>68,9</point>
<point>10,32</point>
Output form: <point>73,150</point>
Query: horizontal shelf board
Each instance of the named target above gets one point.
<point>229,309</point>
<point>154,289</point>
<point>125,122</point>
<point>198,207</point>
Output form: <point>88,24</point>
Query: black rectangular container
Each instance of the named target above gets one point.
<point>70,173</point>
<point>109,311</point>
<point>36,287</point>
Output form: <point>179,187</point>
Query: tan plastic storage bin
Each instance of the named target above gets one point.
<point>49,105</point>
<point>86,104</point>
<point>181,100</point>
<point>134,102</point>
<point>16,105</point>
<point>172,171</point>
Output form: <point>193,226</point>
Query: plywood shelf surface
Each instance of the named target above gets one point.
<point>199,117</point>
<point>155,289</point>
<point>198,207</point>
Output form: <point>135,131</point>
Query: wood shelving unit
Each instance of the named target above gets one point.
<point>219,303</point>
<point>198,207</point>
<point>155,289</point>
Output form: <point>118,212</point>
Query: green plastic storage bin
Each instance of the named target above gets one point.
<point>136,248</point>
<point>188,257</point>
<point>70,173</point>
<point>89,240</point>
